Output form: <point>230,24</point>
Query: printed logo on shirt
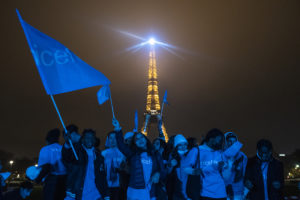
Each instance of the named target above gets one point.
<point>55,150</point>
<point>209,162</point>
<point>146,161</point>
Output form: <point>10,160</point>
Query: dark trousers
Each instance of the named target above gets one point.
<point>207,198</point>
<point>54,187</point>
<point>115,193</point>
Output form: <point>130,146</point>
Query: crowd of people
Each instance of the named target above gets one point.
<point>133,168</point>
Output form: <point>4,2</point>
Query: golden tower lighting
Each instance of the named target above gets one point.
<point>152,103</point>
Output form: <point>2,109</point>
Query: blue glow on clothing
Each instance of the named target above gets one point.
<point>142,194</point>
<point>90,190</point>
<point>51,154</point>
<point>264,170</point>
<point>112,159</point>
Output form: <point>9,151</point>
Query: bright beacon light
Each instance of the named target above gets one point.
<point>151,41</point>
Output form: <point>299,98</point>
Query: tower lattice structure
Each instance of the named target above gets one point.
<point>153,108</point>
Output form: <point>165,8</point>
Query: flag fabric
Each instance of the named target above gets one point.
<point>165,98</point>
<point>136,121</point>
<point>103,94</point>
<point>60,70</point>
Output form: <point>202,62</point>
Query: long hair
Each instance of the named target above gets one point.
<point>134,148</point>
<point>162,143</point>
<point>213,133</point>
<point>169,148</point>
<point>192,142</point>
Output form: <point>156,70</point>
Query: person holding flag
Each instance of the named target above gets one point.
<point>86,176</point>
<point>60,70</point>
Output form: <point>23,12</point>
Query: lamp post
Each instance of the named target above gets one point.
<point>11,163</point>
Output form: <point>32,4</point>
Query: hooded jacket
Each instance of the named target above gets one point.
<point>186,161</point>
<point>234,170</point>
<point>211,164</point>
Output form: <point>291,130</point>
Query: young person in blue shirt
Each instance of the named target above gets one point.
<point>52,168</point>
<point>113,160</point>
<point>212,162</point>
<point>234,170</point>
<point>146,166</point>
<point>180,165</point>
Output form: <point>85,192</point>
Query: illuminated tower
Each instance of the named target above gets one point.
<point>153,104</point>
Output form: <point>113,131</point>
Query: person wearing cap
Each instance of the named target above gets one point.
<point>146,166</point>
<point>264,174</point>
<point>22,192</point>
<point>128,138</point>
<point>179,166</point>
<point>113,159</point>
<point>52,168</point>
<point>234,170</point>
<point>212,162</point>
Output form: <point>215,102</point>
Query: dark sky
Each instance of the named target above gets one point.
<point>239,72</point>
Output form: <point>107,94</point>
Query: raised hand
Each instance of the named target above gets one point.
<point>158,117</point>
<point>155,177</point>
<point>116,124</point>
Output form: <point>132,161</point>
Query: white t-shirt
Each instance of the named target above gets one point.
<point>112,159</point>
<point>51,154</point>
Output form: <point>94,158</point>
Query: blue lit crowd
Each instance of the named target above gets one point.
<point>134,168</point>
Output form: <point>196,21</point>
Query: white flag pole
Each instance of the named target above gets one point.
<point>146,122</point>
<point>34,56</point>
<point>111,104</point>
<point>63,124</point>
<point>162,108</point>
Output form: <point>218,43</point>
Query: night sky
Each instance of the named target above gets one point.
<point>238,68</point>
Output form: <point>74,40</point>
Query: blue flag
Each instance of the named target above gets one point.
<point>165,98</point>
<point>60,70</point>
<point>103,94</point>
<point>136,121</point>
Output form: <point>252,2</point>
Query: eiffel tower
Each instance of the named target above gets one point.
<point>153,109</point>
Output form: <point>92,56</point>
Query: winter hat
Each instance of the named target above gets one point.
<point>179,139</point>
<point>128,135</point>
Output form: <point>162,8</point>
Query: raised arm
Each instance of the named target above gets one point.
<point>120,140</point>
<point>233,150</point>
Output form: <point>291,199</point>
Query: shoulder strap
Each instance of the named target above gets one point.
<point>197,164</point>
